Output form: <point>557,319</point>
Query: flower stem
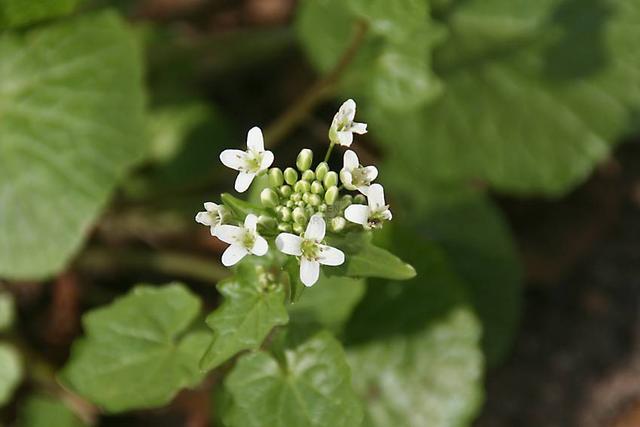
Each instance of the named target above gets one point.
<point>326,157</point>
<point>317,93</point>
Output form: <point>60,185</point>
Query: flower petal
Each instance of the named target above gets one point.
<point>255,141</point>
<point>359,128</point>
<point>345,138</point>
<point>214,230</point>
<point>251,222</point>
<point>357,213</point>
<point>363,189</point>
<point>260,247</point>
<point>316,228</point>
<point>229,233</point>
<point>309,271</point>
<point>243,181</point>
<point>348,109</point>
<point>371,173</point>
<point>210,207</point>
<point>350,160</point>
<point>233,255</point>
<point>203,218</point>
<point>347,179</point>
<point>376,197</point>
<point>234,159</point>
<point>289,244</point>
<point>267,160</point>
<point>330,255</point>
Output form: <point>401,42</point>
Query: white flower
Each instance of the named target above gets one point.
<point>371,216</point>
<point>353,176</point>
<point>311,252</point>
<point>249,163</point>
<point>212,216</point>
<point>243,240</point>
<point>343,127</point>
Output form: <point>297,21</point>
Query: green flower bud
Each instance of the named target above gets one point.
<point>298,228</point>
<point>346,200</point>
<point>285,190</point>
<point>308,175</point>
<point>304,160</point>
<point>267,221</point>
<point>302,187</point>
<point>276,178</point>
<point>309,211</point>
<point>360,199</point>
<point>305,197</point>
<point>330,179</point>
<point>337,224</point>
<point>331,195</point>
<point>314,200</point>
<point>296,197</point>
<point>317,187</point>
<point>301,203</point>
<point>285,227</point>
<point>322,208</point>
<point>299,217</point>
<point>284,214</point>
<point>290,204</point>
<point>290,176</point>
<point>269,198</point>
<point>321,171</point>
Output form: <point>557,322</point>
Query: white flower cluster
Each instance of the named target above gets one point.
<point>303,206</point>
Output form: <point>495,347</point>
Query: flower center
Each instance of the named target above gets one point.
<point>310,249</point>
<point>253,161</point>
<point>248,239</point>
<point>359,177</point>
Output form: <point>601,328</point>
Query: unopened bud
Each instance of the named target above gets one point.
<point>308,175</point>
<point>309,211</point>
<point>290,204</point>
<point>314,200</point>
<point>299,216</point>
<point>317,187</point>
<point>276,178</point>
<point>304,160</point>
<point>330,179</point>
<point>302,187</point>
<point>267,221</point>
<point>269,198</point>
<point>285,227</point>
<point>284,214</point>
<point>360,199</point>
<point>285,190</point>
<point>290,176</point>
<point>298,228</point>
<point>296,197</point>
<point>305,197</point>
<point>338,224</point>
<point>346,200</point>
<point>322,208</point>
<point>301,203</point>
<point>331,195</point>
<point>321,171</point>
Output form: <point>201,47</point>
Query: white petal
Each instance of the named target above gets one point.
<point>210,207</point>
<point>229,233</point>
<point>376,197</point>
<point>250,222</point>
<point>309,271</point>
<point>350,160</point>
<point>371,172</point>
<point>347,179</point>
<point>316,228</point>
<point>243,181</point>
<point>364,189</point>
<point>357,213</point>
<point>345,138</point>
<point>260,247</point>
<point>214,230</point>
<point>255,141</point>
<point>348,109</point>
<point>330,256</point>
<point>234,159</point>
<point>289,244</point>
<point>203,218</point>
<point>233,254</point>
<point>267,160</point>
<point>359,128</point>
<point>387,215</point>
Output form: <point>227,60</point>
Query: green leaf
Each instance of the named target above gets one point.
<point>364,259</point>
<point>253,306</point>
<point>310,388</point>
<point>138,352</point>
<point>536,96</point>
<point>7,310</point>
<point>16,13</point>
<point>328,303</point>
<point>414,347</point>
<point>10,372</point>
<point>42,411</point>
<point>71,125</point>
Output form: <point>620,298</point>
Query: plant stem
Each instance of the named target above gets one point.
<point>326,156</point>
<point>317,93</point>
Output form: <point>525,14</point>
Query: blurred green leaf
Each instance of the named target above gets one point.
<point>311,387</point>
<point>10,372</point>
<point>138,352</point>
<point>42,411</point>
<point>16,13</point>
<point>253,305</point>
<point>7,310</point>
<point>72,124</point>
<point>414,346</point>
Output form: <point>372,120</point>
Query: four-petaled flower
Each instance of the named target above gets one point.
<point>212,216</point>
<point>343,127</point>
<point>311,251</point>
<point>353,176</point>
<point>243,240</point>
<point>249,163</point>
<point>371,216</point>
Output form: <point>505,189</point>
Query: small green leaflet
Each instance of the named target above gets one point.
<point>43,411</point>
<point>16,13</point>
<point>10,372</point>
<point>253,305</point>
<point>311,387</point>
<point>138,351</point>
